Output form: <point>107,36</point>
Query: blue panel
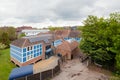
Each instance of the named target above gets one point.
<point>35,55</point>
<point>35,47</point>
<point>15,52</point>
<point>40,45</point>
<point>24,49</point>
<point>16,57</point>
<point>28,53</point>
<point>21,72</point>
<point>40,53</point>
<point>35,51</point>
<point>24,59</point>
<point>24,54</point>
<point>31,52</point>
<point>16,48</point>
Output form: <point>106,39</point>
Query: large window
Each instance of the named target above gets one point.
<point>48,47</point>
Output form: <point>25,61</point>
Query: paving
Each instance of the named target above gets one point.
<point>75,70</point>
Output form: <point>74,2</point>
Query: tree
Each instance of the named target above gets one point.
<point>5,39</point>
<point>55,28</point>
<point>101,39</point>
<point>21,35</point>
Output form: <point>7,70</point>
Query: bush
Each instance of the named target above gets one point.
<point>2,46</point>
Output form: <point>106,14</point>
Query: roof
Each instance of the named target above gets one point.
<point>45,65</point>
<point>32,40</point>
<point>68,46</point>
<point>21,72</point>
<point>66,33</point>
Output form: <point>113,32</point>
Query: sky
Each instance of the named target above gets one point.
<point>44,13</point>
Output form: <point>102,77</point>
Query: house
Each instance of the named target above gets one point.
<point>29,50</point>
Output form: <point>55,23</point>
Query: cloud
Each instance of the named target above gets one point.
<point>41,13</point>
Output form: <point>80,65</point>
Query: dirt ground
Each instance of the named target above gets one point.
<point>75,70</point>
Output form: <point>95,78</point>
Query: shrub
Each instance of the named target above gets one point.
<point>2,46</point>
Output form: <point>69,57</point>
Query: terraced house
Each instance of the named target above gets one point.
<point>29,50</point>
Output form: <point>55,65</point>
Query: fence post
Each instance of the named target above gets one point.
<point>40,76</point>
<point>52,73</point>
<point>25,77</point>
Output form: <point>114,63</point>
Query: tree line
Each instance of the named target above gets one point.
<point>101,40</point>
<point>7,34</point>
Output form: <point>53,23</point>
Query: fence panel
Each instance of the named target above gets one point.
<point>56,70</point>
<point>22,78</point>
<point>46,74</point>
<point>34,77</point>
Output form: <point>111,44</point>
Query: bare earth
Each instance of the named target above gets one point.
<point>75,70</point>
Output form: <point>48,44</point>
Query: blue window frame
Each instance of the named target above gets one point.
<point>28,53</point>
<point>34,51</point>
<point>24,54</point>
<point>24,59</point>
<point>35,55</point>
<point>35,47</point>
<point>24,50</point>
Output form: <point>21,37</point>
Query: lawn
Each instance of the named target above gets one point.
<point>5,65</point>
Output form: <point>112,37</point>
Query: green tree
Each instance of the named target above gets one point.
<point>101,39</point>
<point>55,28</point>
<point>21,35</point>
<point>5,39</point>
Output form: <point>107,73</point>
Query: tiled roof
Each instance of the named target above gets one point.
<point>66,33</point>
<point>28,41</point>
<point>67,46</point>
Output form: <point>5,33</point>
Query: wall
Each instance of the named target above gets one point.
<point>23,56</point>
<point>46,75</point>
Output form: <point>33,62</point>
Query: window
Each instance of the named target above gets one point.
<point>24,50</point>
<point>34,46</point>
<point>47,47</point>
<point>30,57</point>
<point>30,47</point>
<point>24,54</point>
<point>27,48</point>
<point>24,59</point>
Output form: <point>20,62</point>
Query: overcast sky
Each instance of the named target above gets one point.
<point>42,13</point>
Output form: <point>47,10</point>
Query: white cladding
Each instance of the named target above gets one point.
<point>33,32</point>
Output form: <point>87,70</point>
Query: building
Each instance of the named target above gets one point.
<point>66,43</point>
<point>29,50</point>
<point>33,32</point>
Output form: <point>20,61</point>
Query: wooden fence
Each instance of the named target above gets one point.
<point>42,75</point>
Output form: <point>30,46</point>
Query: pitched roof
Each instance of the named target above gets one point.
<point>28,41</point>
<point>68,46</point>
<point>66,33</point>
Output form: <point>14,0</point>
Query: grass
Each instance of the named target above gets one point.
<point>5,65</point>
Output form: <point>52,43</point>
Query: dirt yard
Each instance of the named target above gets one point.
<point>75,70</point>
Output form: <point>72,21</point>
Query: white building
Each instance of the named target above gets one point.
<point>33,32</point>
